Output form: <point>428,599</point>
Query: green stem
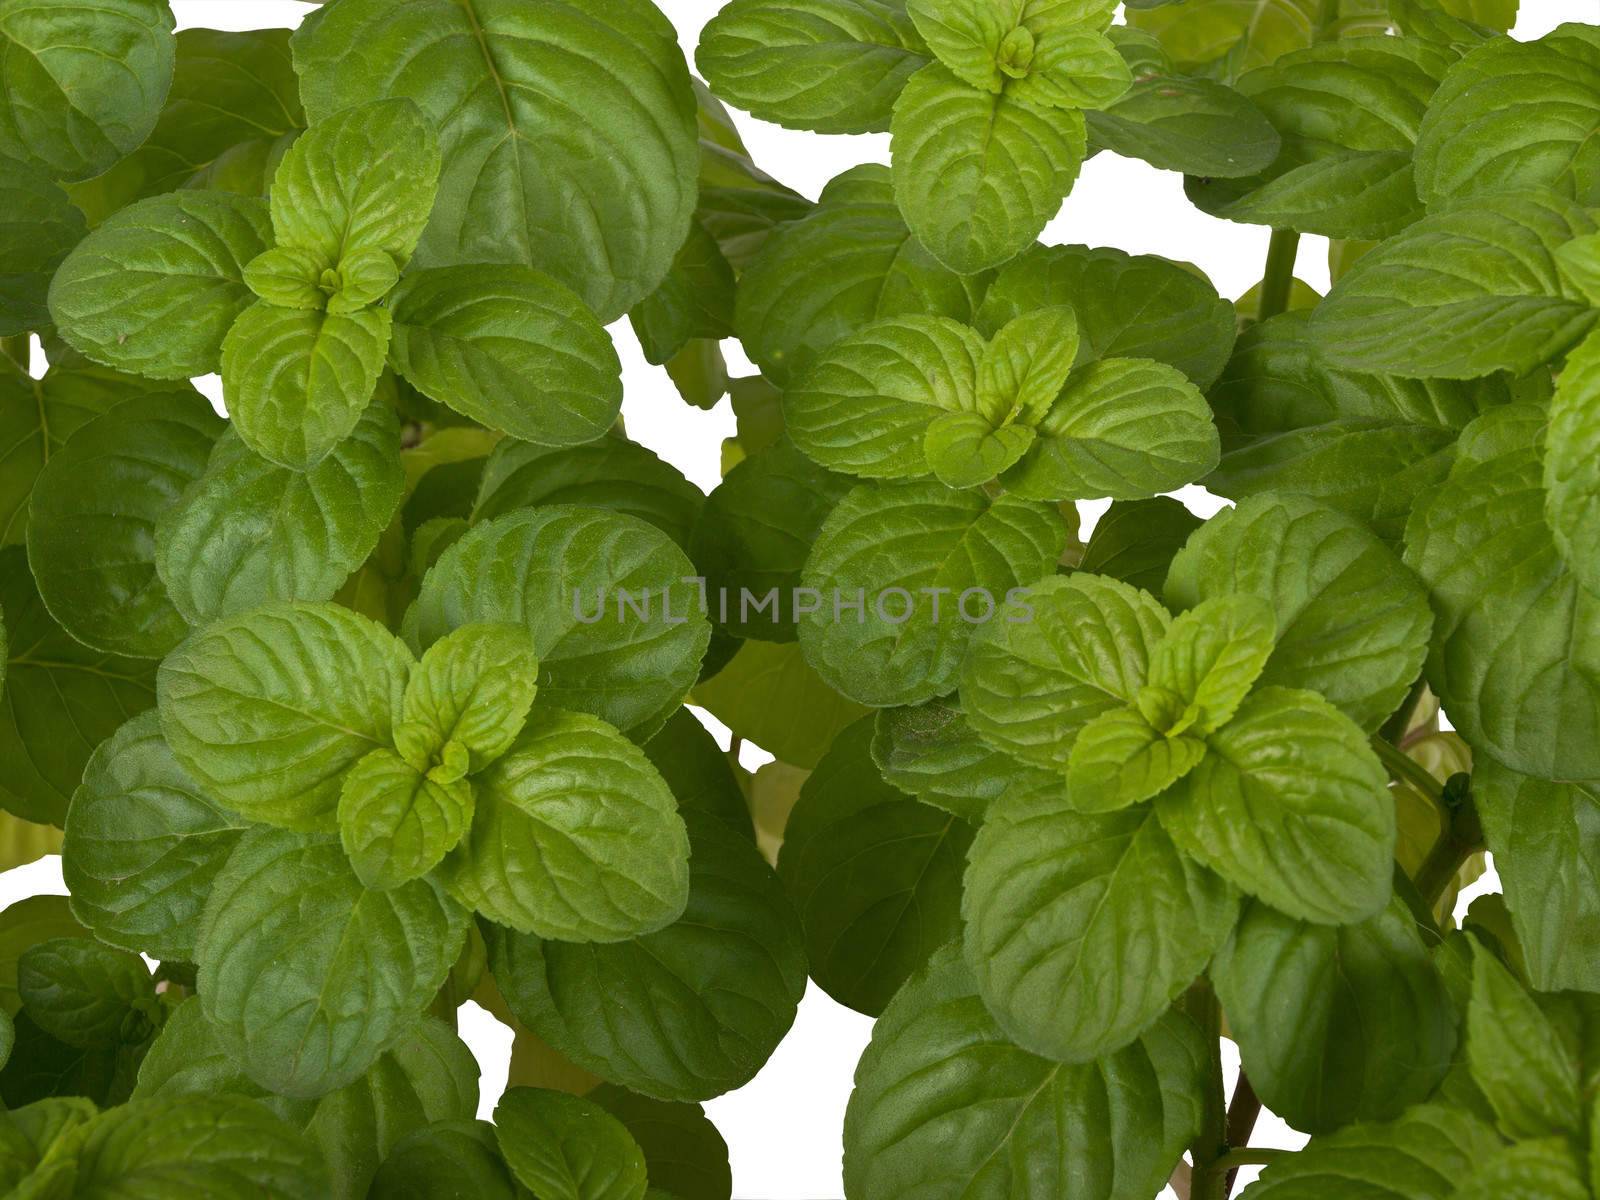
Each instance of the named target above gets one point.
<point>1396,727</point>
<point>1243,1111</point>
<point>1444,861</point>
<point>1407,770</point>
<point>1207,1182</point>
<point>1282,252</point>
<point>1250,1156</point>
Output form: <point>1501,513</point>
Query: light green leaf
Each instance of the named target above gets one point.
<point>609,472</point>
<point>155,289</point>
<point>1579,262</point>
<point>1424,1155</point>
<point>61,699</point>
<point>945,1107</point>
<point>684,1154</point>
<point>1204,667</point>
<point>1122,427</point>
<point>1026,364</point>
<point>309,975</point>
<point>362,179</point>
<point>297,381</point>
<point>1365,444</point>
<point>1291,805</point>
<point>975,41</point>
<point>1223,38</point>
<point>964,450</point>
<point>694,1009</point>
<point>587,172</point>
<point>1029,687</point>
<point>1134,541</point>
<point>509,347</point>
<point>92,523</point>
<point>850,262</point>
<point>1127,306</point>
<point>472,689</point>
<point>1545,838</point>
<point>364,277</point>
<point>221,1147</point>
<point>978,176</point>
<point>84,81</point>
<point>1546,1170</point>
<point>875,876</point>
<point>770,696</point>
<point>1120,759</point>
<point>39,228</point>
<point>929,567</point>
<point>1515,657</point>
<point>143,844</point>
<point>931,752</point>
<point>1336,1024</point>
<point>1518,1059</point>
<point>396,822</point>
<point>1083,929</point>
<point>1463,293</point>
<point>1572,463</point>
<point>249,532</point>
<point>832,66</point>
<point>289,277</point>
<point>87,994</point>
<point>1516,115</point>
<point>615,619</point>
<point>1352,623</point>
<point>866,405</point>
<point>567,1148</point>
<point>269,709</point>
<point>576,836</point>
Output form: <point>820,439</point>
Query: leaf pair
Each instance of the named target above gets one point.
<point>914,396</point>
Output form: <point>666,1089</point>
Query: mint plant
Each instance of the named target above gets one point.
<point>372,696</point>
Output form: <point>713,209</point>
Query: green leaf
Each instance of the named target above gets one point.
<point>565,573</point>
<point>1083,929</point>
<point>269,709</point>
<point>221,1147</point>
<point>575,837</point>
<point>964,450</point>
<point>1029,687</point>
<point>1579,261</point>
<point>1122,427</point>
<point>694,1009</point>
<point>1352,623</point>
<point>1026,364</point>
<point>1127,306</point>
<point>1365,444</point>
<point>850,262</point>
<point>296,381</point>
<point>875,876</point>
<point>472,689</point>
<point>754,534</point>
<point>155,289</point>
<point>978,176</point>
<point>396,822</point>
<point>143,845</point>
<point>1545,838</point>
<point>1291,805</point>
<point>867,404</point>
<point>1206,664</point>
<point>1518,1058</point>
<point>931,752</point>
<point>361,179</point>
<point>929,567</point>
<point>25,923</point>
<point>61,699</point>
<point>1425,1155</point>
<point>769,695</point>
<point>39,228</point>
<point>92,523</point>
<point>832,66</point>
<point>84,81</point>
<point>1516,115</point>
<point>1120,759</point>
<point>1514,658</point>
<point>1135,540</point>
<point>946,1107</point>
<point>567,1148</point>
<point>250,532</point>
<point>699,774</point>
<point>587,173</point>
<point>1464,292</point>
<point>289,277</point>
<point>1336,1024</point>
<point>509,347</point>
<point>1547,1170</point>
<point>695,302</point>
<point>309,975</point>
<point>1572,463</point>
<point>86,994</point>
<point>609,472</point>
<point>682,1149</point>
<point>450,1160</point>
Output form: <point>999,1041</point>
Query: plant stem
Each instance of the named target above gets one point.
<point>1206,1181</point>
<point>1249,1156</point>
<point>1243,1110</point>
<point>1395,728</point>
<point>1279,277</point>
<point>1448,856</point>
<point>1407,770</point>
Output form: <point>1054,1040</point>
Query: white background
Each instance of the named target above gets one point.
<point>783,1128</point>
